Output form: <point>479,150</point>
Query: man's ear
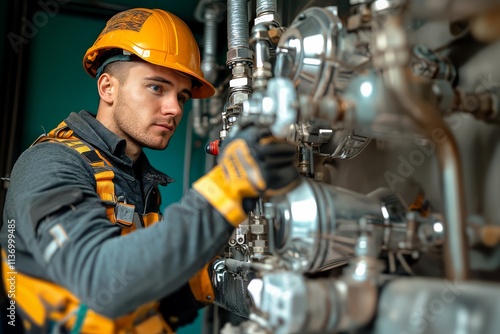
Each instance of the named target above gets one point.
<point>106,86</point>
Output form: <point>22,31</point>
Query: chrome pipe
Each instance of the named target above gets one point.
<point>266,6</point>
<point>237,24</point>
<point>209,65</point>
<point>239,60</point>
<point>392,55</point>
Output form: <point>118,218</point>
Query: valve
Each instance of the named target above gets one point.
<point>213,147</point>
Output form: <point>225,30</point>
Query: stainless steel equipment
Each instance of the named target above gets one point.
<point>394,107</point>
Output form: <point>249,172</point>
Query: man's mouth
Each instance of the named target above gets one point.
<point>166,126</point>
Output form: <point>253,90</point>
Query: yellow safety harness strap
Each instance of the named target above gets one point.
<point>103,172</point>
<point>44,301</point>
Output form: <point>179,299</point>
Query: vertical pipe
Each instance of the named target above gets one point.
<point>262,69</point>
<point>186,182</point>
<point>392,55</point>
<point>208,65</point>
<point>239,60</point>
<point>209,15</point>
<point>237,24</point>
<point>266,19</point>
<point>266,6</point>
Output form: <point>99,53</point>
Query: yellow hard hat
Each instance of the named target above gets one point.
<point>157,37</point>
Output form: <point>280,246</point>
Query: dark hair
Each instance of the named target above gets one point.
<point>117,69</point>
<point>110,62</point>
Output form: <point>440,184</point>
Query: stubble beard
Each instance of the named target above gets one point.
<point>127,128</point>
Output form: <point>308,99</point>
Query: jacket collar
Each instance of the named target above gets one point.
<point>88,128</point>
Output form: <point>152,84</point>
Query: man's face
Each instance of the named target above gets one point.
<point>149,105</point>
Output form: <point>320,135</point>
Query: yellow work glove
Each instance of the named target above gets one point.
<point>253,163</point>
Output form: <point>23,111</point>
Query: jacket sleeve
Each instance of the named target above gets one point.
<point>110,273</point>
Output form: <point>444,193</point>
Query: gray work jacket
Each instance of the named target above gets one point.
<point>52,185</point>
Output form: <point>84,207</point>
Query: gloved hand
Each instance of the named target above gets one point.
<point>230,290</point>
<point>215,284</point>
<point>253,163</point>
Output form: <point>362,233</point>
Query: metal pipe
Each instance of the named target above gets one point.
<point>262,70</point>
<point>210,13</point>
<point>425,115</point>
<point>187,155</point>
<point>266,20</point>
<point>315,305</point>
<point>239,60</point>
<point>237,24</point>
<point>209,65</point>
<point>393,55</point>
<point>199,127</point>
<point>266,6</point>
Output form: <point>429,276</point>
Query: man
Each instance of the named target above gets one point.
<point>74,238</point>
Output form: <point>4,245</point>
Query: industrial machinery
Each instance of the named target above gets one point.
<point>393,106</point>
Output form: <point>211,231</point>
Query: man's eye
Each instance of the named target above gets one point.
<point>182,99</point>
<point>156,88</point>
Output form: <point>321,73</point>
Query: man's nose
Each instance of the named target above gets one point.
<point>171,105</point>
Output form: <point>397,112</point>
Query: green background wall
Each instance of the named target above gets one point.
<point>58,85</point>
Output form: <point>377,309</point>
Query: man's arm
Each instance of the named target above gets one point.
<point>110,273</point>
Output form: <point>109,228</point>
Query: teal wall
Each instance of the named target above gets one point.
<point>58,85</point>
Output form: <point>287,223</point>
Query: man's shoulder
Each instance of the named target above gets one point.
<point>48,165</point>
<point>52,154</point>
<point>52,146</point>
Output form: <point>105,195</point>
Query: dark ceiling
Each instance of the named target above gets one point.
<point>182,8</point>
<point>185,9</point>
